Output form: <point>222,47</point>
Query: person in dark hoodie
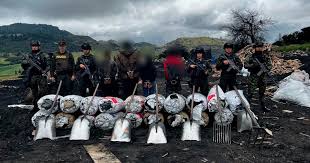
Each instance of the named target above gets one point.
<point>199,69</point>
<point>147,72</point>
<point>126,62</point>
<point>174,68</point>
<point>230,64</point>
<point>106,75</point>
<point>86,67</point>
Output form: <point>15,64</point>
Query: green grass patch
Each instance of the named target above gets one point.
<point>3,61</point>
<point>9,70</point>
<point>293,47</point>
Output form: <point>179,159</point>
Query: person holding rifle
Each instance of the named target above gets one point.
<point>86,67</point>
<point>230,64</point>
<point>199,70</point>
<point>258,65</point>
<point>34,64</point>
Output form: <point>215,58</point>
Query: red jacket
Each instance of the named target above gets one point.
<point>175,61</point>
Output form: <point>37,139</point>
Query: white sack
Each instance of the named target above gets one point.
<point>111,104</point>
<point>45,103</point>
<point>93,108</point>
<point>234,101</point>
<point>70,103</point>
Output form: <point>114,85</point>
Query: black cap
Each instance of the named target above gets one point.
<point>35,43</point>
<point>86,46</point>
<point>62,43</point>
<point>228,45</point>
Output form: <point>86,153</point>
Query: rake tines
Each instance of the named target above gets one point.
<point>222,133</point>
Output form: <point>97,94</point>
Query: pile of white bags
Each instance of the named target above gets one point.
<point>295,88</point>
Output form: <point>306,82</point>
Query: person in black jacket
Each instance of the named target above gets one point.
<point>199,70</point>
<point>34,77</point>
<point>230,64</point>
<point>106,75</point>
<point>86,67</point>
<point>147,71</point>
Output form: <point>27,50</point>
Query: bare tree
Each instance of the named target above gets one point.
<point>247,26</point>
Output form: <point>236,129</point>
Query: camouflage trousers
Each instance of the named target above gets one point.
<point>257,82</point>
<point>39,87</point>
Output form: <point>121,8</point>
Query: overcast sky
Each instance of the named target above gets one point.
<point>155,21</point>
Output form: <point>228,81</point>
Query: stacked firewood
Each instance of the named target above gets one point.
<point>279,66</point>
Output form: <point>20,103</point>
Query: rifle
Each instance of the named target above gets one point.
<point>263,69</point>
<point>86,71</point>
<point>198,65</point>
<point>33,64</point>
<point>232,65</point>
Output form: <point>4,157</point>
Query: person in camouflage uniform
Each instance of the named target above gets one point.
<point>126,62</point>
<point>86,66</point>
<point>257,80</point>
<point>199,69</point>
<point>34,77</point>
<point>62,68</point>
<point>106,75</point>
<point>228,74</point>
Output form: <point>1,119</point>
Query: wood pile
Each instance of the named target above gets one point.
<point>279,65</point>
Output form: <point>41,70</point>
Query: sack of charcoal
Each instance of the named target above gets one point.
<point>39,115</point>
<point>137,104</point>
<point>212,99</point>
<point>106,121</point>
<point>135,118</point>
<point>70,103</point>
<point>150,118</point>
<point>174,103</point>
<point>178,119</point>
<point>150,103</point>
<point>64,120</point>
<point>88,109</point>
<point>111,105</point>
<point>45,103</point>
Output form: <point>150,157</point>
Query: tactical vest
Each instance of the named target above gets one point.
<point>62,62</point>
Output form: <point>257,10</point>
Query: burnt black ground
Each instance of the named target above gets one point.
<point>287,145</point>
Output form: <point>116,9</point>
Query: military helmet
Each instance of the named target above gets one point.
<point>35,43</point>
<point>199,50</point>
<point>62,43</point>
<point>86,46</point>
<point>228,45</point>
<point>258,44</point>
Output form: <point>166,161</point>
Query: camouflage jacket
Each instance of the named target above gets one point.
<point>221,66</point>
<point>39,58</point>
<point>253,66</point>
<point>125,63</point>
<point>62,63</point>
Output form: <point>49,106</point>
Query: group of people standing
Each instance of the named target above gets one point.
<point>118,75</point>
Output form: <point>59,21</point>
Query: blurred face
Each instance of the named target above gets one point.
<point>86,52</point>
<point>62,49</point>
<point>199,55</point>
<point>35,48</point>
<point>259,49</point>
<point>228,50</point>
